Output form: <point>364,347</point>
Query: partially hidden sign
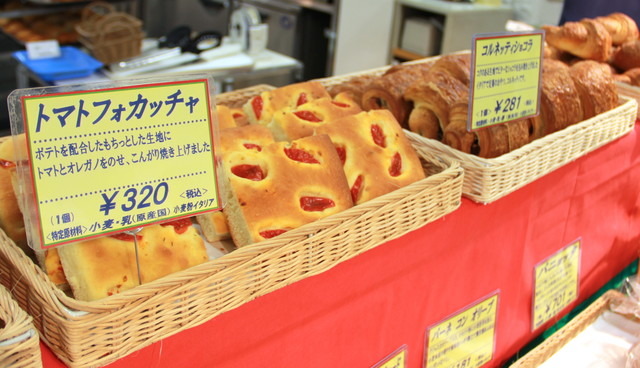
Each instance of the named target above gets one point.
<point>505,86</point>
<point>107,160</point>
<point>397,359</point>
<point>465,340</point>
<point>556,283</point>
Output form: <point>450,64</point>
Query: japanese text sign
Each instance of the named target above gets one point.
<point>466,340</point>
<point>555,283</point>
<point>106,160</point>
<point>505,75</point>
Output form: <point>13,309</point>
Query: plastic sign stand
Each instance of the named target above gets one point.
<point>505,77</point>
<point>99,159</point>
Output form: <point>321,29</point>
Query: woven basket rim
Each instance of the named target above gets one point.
<point>559,339</point>
<point>68,305</point>
<point>17,321</point>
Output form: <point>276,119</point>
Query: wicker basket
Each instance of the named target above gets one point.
<point>626,89</point>
<point>19,342</point>
<point>487,180</point>
<point>555,342</point>
<point>109,35</point>
<point>96,333</point>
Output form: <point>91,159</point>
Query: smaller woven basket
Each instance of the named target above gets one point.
<point>19,342</point>
<point>110,35</point>
<point>555,342</point>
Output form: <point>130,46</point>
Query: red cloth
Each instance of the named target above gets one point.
<point>358,312</point>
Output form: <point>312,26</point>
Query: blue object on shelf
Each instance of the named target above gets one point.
<point>72,63</point>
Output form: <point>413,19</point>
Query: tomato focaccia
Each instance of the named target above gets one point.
<point>250,137</point>
<point>377,157</point>
<point>283,187</point>
<point>11,220</point>
<point>98,268</point>
<point>301,121</point>
<point>230,117</point>
<point>260,109</point>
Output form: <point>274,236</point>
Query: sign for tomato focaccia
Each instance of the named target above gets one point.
<point>109,159</point>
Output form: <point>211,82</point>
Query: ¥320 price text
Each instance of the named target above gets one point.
<point>135,198</point>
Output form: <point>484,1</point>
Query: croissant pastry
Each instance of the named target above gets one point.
<point>488,142</point>
<point>627,56</point>
<point>354,87</point>
<point>560,104</point>
<point>457,65</point>
<point>621,27</point>
<point>595,85</point>
<point>633,76</point>
<point>587,39</point>
<point>387,92</point>
<point>432,98</point>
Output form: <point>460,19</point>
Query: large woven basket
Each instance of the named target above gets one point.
<point>555,342</point>
<point>96,333</point>
<point>19,342</point>
<point>487,180</point>
<point>628,90</point>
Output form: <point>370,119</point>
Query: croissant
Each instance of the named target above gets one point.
<point>488,142</point>
<point>633,76</point>
<point>560,104</point>
<point>627,56</point>
<point>355,87</point>
<point>432,98</point>
<point>587,39</point>
<point>457,65</point>
<point>595,86</point>
<point>621,27</point>
<point>387,92</point>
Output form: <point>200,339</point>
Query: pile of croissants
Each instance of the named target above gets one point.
<point>431,98</point>
<point>612,39</point>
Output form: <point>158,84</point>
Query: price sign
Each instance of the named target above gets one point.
<point>397,359</point>
<point>556,283</point>
<point>107,160</point>
<point>465,340</point>
<point>505,72</point>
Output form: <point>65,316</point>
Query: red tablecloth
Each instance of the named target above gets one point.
<point>363,309</point>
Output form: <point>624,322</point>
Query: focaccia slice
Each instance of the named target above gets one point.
<point>283,187</point>
<point>260,109</point>
<point>101,267</point>
<point>301,121</point>
<point>250,137</point>
<point>377,156</point>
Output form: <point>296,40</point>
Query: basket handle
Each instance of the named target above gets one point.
<point>115,22</point>
<point>96,10</point>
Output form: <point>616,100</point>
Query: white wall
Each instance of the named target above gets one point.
<point>537,12</point>
<point>363,35</point>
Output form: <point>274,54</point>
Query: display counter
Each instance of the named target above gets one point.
<point>360,311</point>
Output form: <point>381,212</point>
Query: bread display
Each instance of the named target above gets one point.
<point>432,97</point>
<point>260,109</point>
<point>11,220</point>
<point>621,27</point>
<point>489,142</point>
<point>230,117</point>
<point>101,267</point>
<point>376,155</point>
<point>387,92</point>
<point>354,87</point>
<point>627,56</point>
<point>560,104</point>
<point>303,120</point>
<point>587,39</point>
<point>595,86</point>
<point>284,186</point>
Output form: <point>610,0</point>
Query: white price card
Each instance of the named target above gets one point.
<point>46,49</point>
